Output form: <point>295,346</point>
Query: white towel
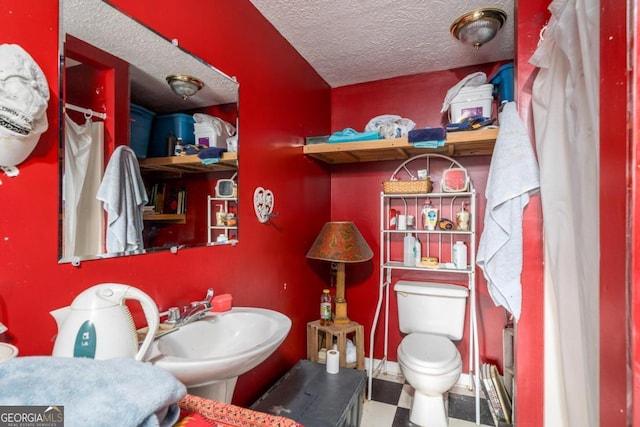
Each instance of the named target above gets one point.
<point>124,197</point>
<point>513,177</point>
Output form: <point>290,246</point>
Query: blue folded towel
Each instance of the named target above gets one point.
<point>427,134</point>
<point>114,392</point>
<point>427,137</point>
<point>351,135</point>
<point>211,153</point>
<point>429,144</point>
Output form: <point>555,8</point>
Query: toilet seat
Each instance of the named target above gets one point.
<point>430,354</point>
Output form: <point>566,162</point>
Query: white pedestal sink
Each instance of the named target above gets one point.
<point>208,355</point>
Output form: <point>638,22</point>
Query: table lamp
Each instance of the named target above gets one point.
<point>340,242</point>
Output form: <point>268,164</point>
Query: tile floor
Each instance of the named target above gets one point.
<point>391,400</point>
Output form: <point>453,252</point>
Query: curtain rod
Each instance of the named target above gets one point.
<point>85,111</point>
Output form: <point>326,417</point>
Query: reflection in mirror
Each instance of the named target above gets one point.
<point>113,74</point>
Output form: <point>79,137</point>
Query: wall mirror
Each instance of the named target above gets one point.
<point>109,63</point>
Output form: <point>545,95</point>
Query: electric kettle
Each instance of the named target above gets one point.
<point>98,325</point>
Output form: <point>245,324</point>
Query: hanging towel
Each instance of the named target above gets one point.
<point>114,392</point>
<point>513,177</point>
<point>124,197</point>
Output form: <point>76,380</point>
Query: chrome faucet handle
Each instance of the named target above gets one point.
<point>207,299</point>
<point>173,315</point>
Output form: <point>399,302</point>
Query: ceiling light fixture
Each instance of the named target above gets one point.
<point>184,85</point>
<point>478,26</point>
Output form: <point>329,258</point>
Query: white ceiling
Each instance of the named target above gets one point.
<point>151,57</point>
<point>355,41</point>
<point>345,41</point>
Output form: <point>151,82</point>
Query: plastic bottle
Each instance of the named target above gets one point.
<point>409,258</point>
<point>460,255</point>
<point>429,216</point>
<point>417,253</point>
<point>171,144</point>
<point>325,308</point>
<point>462,218</point>
<point>179,147</point>
<point>393,219</point>
<point>221,216</point>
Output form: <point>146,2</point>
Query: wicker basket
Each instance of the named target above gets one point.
<point>407,187</point>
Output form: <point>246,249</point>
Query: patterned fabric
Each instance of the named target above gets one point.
<point>219,414</point>
<point>193,420</point>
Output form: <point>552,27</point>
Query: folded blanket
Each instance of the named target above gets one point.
<point>114,392</point>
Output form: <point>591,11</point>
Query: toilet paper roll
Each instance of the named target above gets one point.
<point>333,361</point>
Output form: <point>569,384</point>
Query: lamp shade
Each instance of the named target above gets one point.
<point>340,241</point>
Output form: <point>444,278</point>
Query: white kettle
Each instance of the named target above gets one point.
<point>98,325</point>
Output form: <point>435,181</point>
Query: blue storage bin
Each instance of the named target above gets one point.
<point>180,124</point>
<point>140,130</point>
<point>502,82</point>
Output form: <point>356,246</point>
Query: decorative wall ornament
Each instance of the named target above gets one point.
<point>263,201</point>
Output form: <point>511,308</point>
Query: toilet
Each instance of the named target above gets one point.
<point>432,315</point>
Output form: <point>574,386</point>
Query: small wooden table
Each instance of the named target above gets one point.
<point>315,398</point>
<point>323,337</point>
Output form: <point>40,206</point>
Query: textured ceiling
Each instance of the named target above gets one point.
<point>151,57</point>
<point>345,41</point>
<point>355,41</point>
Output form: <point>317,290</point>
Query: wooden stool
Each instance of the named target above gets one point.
<point>323,337</point>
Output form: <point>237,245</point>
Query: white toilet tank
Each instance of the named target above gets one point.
<point>437,308</point>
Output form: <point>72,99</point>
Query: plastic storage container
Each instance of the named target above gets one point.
<point>206,135</point>
<point>140,130</point>
<point>472,101</point>
<point>180,124</point>
<point>502,82</point>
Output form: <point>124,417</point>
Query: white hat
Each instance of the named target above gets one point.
<point>24,94</point>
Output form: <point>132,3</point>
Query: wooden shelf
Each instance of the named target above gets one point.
<point>464,143</point>
<point>175,218</point>
<point>189,164</point>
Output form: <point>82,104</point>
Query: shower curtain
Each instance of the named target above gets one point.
<point>83,226</point>
<point>565,109</point>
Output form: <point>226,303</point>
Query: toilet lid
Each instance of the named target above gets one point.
<point>429,352</point>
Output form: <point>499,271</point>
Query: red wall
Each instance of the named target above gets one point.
<point>615,165</point>
<point>530,18</point>
<point>282,100</point>
<point>419,98</point>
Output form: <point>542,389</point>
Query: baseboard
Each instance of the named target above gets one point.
<point>393,368</point>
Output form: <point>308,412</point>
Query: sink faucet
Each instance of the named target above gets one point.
<point>190,313</point>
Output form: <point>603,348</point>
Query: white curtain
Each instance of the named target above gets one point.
<point>83,225</point>
<point>565,109</point>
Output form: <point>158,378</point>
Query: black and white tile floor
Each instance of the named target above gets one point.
<point>391,399</point>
